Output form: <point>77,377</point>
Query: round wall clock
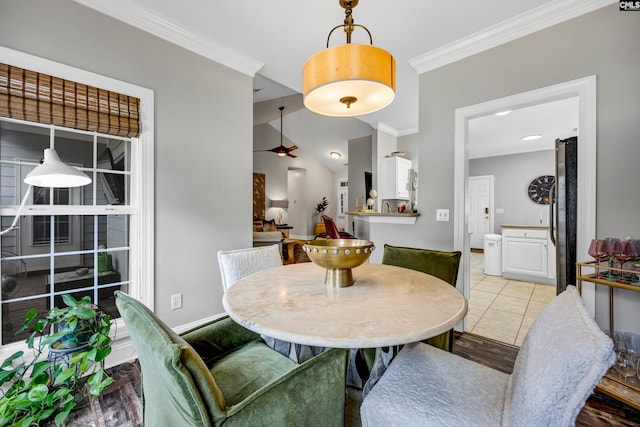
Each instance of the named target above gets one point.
<point>540,189</point>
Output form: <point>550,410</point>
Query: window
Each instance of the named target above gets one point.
<point>81,245</point>
<point>83,241</point>
<point>41,225</point>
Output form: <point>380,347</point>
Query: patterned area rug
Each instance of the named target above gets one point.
<point>118,406</point>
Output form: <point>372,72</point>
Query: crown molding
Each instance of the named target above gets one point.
<point>161,27</point>
<point>380,126</point>
<point>527,23</point>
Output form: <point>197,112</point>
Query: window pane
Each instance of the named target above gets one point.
<point>13,314</point>
<point>112,188</point>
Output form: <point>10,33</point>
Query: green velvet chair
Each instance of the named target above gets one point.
<point>223,374</point>
<point>443,265</point>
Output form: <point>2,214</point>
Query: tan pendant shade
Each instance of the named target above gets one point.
<point>349,80</point>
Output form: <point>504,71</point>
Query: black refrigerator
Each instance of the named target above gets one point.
<point>563,211</point>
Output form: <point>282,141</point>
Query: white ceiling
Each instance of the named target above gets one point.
<point>501,135</point>
<point>275,38</point>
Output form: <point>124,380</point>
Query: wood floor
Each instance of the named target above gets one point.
<point>120,405</point>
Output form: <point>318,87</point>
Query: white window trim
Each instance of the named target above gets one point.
<point>142,186</point>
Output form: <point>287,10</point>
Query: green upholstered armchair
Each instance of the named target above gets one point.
<point>223,374</point>
<point>443,265</point>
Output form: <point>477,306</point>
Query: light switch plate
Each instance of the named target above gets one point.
<point>442,215</point>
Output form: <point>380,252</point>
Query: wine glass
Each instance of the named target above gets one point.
<point>598,249</point>
<point>626,365</point>
<point>622,250</point>
<point>611,275</point>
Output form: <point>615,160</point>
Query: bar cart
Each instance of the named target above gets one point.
<point>612,384</point>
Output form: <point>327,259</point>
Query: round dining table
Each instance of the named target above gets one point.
<point>386,306</point>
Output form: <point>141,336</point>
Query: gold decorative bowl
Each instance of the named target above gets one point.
<point>338,256</point>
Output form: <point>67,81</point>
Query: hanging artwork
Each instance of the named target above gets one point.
<point>258,196</point>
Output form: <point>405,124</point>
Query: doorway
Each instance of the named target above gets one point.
<point>297,195</point>
<point>480,209</point>
<point>585,90</point>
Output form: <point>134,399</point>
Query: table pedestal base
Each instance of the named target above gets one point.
<point>338,277</point>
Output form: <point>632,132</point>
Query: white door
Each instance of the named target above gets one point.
<point>297,194</point>
<point>480,209</point>
<point>342,193</point>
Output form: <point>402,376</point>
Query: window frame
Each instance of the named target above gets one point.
<point>141,197</point>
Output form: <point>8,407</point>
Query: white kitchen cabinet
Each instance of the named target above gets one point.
<point>394,178</point>
<point>525,253</point>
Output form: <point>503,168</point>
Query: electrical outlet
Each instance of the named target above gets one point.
<point>442,215</point>
<point>176,301</point>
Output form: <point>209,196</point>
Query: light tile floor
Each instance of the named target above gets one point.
<point>503,309</point>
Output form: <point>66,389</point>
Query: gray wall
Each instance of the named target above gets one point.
<point>604,43</point>
<point>203,139</point>
<point>512,174</point>
<point>321,181</point>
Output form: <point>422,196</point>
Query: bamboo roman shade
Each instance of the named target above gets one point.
<point>36,97</point>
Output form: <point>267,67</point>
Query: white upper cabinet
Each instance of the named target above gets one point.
<point>394,178</point>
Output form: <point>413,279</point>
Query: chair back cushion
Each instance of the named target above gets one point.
<point>443,265</point>
<point>561,360</point>
<point>331,227</point>
<point>177,387</point>
<point>236,264</point>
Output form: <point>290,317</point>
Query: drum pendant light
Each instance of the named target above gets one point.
<point>351,79</point>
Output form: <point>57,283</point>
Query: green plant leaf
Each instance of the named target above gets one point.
<point>40,368</point>
<point>86,313</point>
<point>69,300</point>
<point>61,392</point>
<point>9,360</point>
<point>25,422</point>
<point>38,393</point>
<point>59,419</point>
<point>65,375</point>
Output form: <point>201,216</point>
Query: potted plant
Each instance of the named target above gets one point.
<point>320,207</point>
<point>48,386</point>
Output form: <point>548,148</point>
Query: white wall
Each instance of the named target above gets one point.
<point>203,139</point>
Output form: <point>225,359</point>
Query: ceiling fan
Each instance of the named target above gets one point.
<point>282,150</point>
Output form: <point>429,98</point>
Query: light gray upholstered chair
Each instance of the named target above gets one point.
<point>235,264</point>
<point>561,360</point>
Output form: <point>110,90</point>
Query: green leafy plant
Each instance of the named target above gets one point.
<point>45,388</point>
<point>320,207</point>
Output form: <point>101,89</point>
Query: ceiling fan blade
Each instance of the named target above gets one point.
<point>291,155</point>
<point>293,147</point>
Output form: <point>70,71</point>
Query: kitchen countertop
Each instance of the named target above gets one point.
<point>524,226</point>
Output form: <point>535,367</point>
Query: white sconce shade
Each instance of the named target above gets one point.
<point>52,172</point>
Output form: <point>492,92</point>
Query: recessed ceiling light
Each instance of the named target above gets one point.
<point>531,137</point>
<point>503,113</point>
<point>335,155</point>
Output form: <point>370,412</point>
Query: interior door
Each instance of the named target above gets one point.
<point>480,209</point>
<point>342,194</point>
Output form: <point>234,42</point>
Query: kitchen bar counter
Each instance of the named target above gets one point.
<point>385,217</point>
<point>540,226</point>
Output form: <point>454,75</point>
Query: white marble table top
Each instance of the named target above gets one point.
<point>386,306</point>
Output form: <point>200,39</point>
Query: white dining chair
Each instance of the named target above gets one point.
<point>562,358</point>
<point>238,263</point>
